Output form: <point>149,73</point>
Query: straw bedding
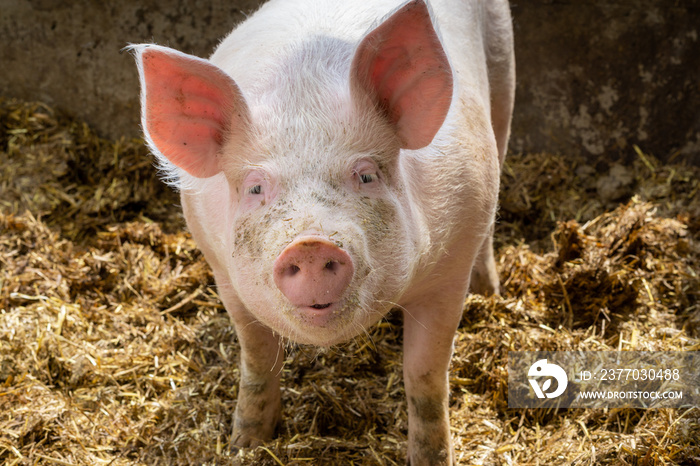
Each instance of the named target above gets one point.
<point>114,348</point>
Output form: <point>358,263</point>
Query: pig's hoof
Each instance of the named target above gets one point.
<point>439,457</point>
<point>408,463</point>
<point>251,433</point>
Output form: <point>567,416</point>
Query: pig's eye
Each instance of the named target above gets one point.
<point>257,189</point>
<point>368,178</point>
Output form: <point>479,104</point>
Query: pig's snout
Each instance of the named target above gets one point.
<point>313,272</point>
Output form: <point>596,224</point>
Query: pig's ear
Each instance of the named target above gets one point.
<point>403,67</point>
<point>190,107</point>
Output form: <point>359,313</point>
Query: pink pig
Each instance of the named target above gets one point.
<point>337,159</point>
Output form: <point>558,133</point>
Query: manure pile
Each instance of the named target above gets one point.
<point>114,349</point>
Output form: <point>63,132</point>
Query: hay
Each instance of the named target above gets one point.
<point>114,348</point>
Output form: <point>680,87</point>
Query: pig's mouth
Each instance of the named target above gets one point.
<point>320,315</point>
<point>321,306</point>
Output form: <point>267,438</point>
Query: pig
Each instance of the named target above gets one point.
<point>337,160</point>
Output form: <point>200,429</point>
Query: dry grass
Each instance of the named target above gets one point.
<point>114,348</point>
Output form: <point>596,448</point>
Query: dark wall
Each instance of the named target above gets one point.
<point>594,76</point>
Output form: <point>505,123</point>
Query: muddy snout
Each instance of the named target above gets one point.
<point>313,272</point>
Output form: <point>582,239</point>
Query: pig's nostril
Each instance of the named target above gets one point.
<point>293,269</point>
<point>330,265</point>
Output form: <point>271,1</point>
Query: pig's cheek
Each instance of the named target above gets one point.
<point>385,237</point>
<point>378,218</point>
<point>252,257</point>
<point>247,242</point>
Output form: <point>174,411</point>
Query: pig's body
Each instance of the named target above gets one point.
<point>396,199</point>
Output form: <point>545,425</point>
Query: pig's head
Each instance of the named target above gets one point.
<point>321,235</point>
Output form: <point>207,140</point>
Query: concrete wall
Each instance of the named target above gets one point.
<point>598,76</point>
<point>594,76</point>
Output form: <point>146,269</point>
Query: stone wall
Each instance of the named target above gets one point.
<point>594,76</point>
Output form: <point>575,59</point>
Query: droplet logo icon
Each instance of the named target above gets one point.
<point>541,369</point>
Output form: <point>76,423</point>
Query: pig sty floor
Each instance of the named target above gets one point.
<point>114,348</point>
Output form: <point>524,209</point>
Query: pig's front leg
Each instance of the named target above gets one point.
<point>262,355</point>
<point>429,328</point>
<point>258,406</point>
